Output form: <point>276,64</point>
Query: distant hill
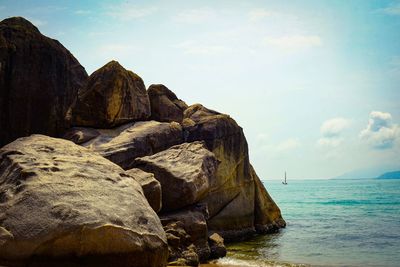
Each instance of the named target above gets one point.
<point>390,175</point>
<point>368,173</point>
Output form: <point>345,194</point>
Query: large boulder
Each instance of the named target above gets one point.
<point>151,187</point>
<point>39,81</point>
<point>123,144</point>
<point>184,171</point>
<point>165,106</point>
<point>231,199</point>
<point>62,205</point>
<point>111,97</point>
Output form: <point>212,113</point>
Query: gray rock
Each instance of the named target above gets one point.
<point>151,187</point>
<point>184,171</point>
<point>217,247</point>
<point>61,204</point>
<point>112,96</point>
<point>193,222</point>
<point>232,197</point>
<point>39,81</point>
<point>123,144</point>
<point>80,135</point>
<point>165,106</point>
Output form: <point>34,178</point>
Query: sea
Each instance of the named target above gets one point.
<point>329,223</point>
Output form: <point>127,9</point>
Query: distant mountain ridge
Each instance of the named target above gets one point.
<point>368,173</point>
<point>390,175</point>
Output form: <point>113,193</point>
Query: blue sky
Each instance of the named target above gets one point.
<point>314,84</point>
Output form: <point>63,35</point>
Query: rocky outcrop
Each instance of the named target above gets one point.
<point>217,247</point>
<point>231,199</point>
<point>184,171</point>
<point>181,251</point>
<point>151,187</point>
<point>80,135</point>
<point>61,203</point>
<point>39,80</point>
<point>111,97</point>
<point>165,106</point>
<point>192,221</point>
<point>64,203</point>
<point>123,144</point>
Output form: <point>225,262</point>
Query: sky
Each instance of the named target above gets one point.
<point>314,84</point>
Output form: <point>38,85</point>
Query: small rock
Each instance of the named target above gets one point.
<point>165,106</point>
<point>151,187</point>
<point>218,249</point>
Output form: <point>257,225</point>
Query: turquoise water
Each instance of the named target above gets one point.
<point>330,223</point>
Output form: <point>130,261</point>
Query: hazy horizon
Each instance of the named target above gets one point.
<point>314,84</point>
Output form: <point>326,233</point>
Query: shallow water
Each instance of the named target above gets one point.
<point>329,223</point>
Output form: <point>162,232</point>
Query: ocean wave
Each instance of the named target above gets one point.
<point>233,262</point>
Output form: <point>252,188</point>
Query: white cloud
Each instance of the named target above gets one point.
<point>289,144</point>
<point>294,42</point>
<point>329,142</point>
<point>331,131</point>
<point>260,13</point>
<point>195,15</point>
<point>334,127</point>
<point>196,48</point>
<point>128,11</point>
<point>380,133</point>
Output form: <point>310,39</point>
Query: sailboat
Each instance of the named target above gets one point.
<point>284,182</point>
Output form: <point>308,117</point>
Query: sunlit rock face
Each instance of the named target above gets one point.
<point>233,194</point>
<point>165,105</point>
<point>86,202</point>
<point>39,81</point>
<point>123,144</point>
<point>151,187</point>
<point>184,171</point>
<point>111,97</point>
<point>61,203</point>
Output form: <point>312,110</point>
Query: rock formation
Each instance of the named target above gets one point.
<point>61,202</point>
<point>88,203</point>
<point>39,80</point>
<point>123,144</point>
<point>237,200</point>
<point>181,251</point>
<point>184,172</point>
<point>217,247</point>
<point>165,106</point>
<point>231,197</point>
<point>111,97</point>
<point>151,187</point>
<point>191,221</point>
